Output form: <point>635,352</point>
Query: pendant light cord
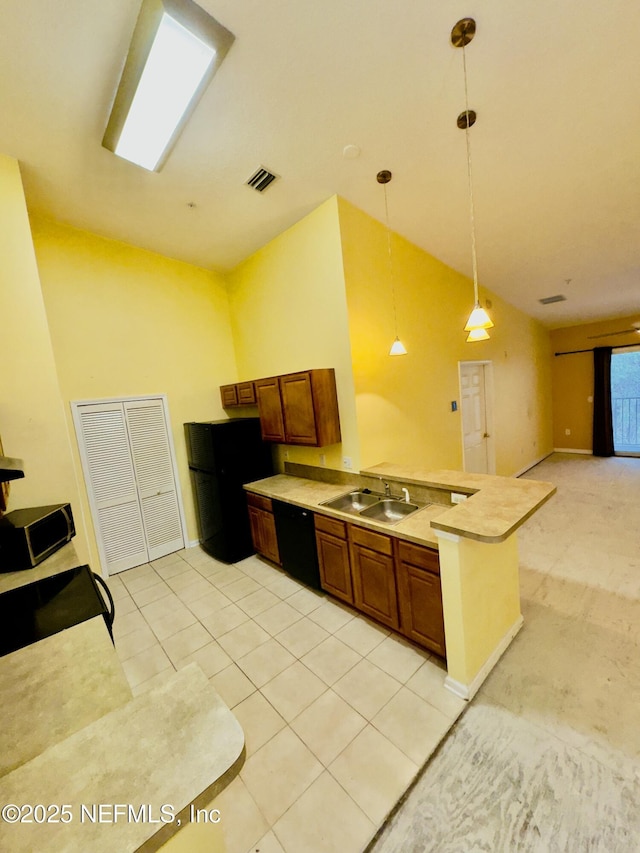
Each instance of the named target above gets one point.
<point>471,210</point>
<point>391,275</point>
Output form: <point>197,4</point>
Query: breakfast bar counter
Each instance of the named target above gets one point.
<point>472,519</point>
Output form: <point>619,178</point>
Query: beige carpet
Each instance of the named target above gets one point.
<point>547,757</point>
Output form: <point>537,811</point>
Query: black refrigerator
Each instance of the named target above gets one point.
<point>223,456</point>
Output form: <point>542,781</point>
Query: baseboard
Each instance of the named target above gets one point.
<point>193,543</point>
<point>468,691</point>
<point>572,450</point>
<point>532,464</point>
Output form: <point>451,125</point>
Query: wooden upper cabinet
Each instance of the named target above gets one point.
<point>299,408</point>
<point>229,395</point>
<point>240,394</point>
<point>246,393</point>
<point>270,409</point>
<point>310,407</point>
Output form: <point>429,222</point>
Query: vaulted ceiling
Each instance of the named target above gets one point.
<point>555,149</point>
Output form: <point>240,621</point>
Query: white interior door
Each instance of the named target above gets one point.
<point>111,485</point>
<point>130,476</point>
<point>155,478</point>
<point>475,435</point>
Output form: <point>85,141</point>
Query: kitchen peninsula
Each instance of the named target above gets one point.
<point>475,540</point>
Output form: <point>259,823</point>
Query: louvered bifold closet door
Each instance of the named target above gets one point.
<point>110,470</point>
<point>157,488</point>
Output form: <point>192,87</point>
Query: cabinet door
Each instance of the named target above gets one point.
<point>374,584</point>
<point>229,395</point>
<point>263,533</point>
<point>269,537</point>
<point>335,568</point>
<point>256,528</point>
<point>297,405</point>
<point>420,598</point>
<point>246,393</point>
<point>270,409</point>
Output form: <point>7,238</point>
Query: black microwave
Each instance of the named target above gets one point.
<point>28,536</point>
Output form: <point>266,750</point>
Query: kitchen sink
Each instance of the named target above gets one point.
<point>371,505</point>
<point>389,510</point>
<point>354,502</point>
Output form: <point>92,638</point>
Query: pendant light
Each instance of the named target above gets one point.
<point>397,347</point>
<point>479,321</point>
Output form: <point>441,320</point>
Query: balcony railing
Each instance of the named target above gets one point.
<point>626,424</point>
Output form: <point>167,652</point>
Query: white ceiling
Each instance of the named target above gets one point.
<point>556,149</point>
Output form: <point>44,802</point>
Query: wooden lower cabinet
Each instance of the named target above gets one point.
<point>333,558</point>
<point>263,527</point>
<point>420,596</point>
<point>394,582</point>
<point>373,573</point>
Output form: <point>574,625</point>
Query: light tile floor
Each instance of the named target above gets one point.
<point>338,713</point>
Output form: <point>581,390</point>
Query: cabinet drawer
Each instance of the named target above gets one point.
<point>416,555</point>
<point>331,525</point>
<point>368,539</point>
<point>259,501</point>
<point>246,393</point>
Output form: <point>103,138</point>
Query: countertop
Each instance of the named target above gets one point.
<point>55,687</point>
<point>175,745</point>
<point>494,509</point>
<point>72,733</point>
<point>497,507</point>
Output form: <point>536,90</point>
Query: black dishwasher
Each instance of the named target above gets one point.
<point>297,542</point>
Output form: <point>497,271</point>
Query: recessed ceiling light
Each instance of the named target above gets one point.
<point>175,51</point>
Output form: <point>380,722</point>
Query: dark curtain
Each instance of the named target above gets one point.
<point>602,414</point>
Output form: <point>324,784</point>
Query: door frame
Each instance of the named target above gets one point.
<point>76,405</point>
<point>489,417</point>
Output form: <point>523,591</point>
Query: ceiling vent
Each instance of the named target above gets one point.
<point>549,299</point>
<point>261,179</point>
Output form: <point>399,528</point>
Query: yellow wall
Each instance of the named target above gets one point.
<point>289,313</point>
<point>404,403</point>
<point>127,322</point>
<point>32,420</point>
<point>481,601</point>
<point>573,377</point>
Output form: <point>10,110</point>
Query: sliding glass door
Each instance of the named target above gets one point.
<point>625,401</point>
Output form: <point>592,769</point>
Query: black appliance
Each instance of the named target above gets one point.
<point>223,456</point>
<point>29,536</point>
<point>297,542</point>
<point>37,610</point>
<point>10,469</point>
